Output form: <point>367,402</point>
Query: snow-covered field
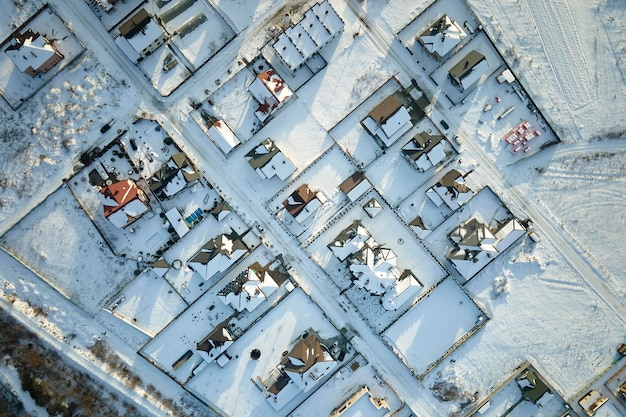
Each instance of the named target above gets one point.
<point>558,303</point>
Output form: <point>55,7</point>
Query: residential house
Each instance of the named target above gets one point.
<point>450,190</point>
<point>104,5</point>
<point>252,287</point>
<point>215,343</point>
<point>373,207</point>
<point>388,121</point>
<point>220,211</point>
<point>172,177</point>
<point>300,370</point>
<point>350,241</point>
<point>425,150</point>
<point>32,53</point>
<point>123,202</point>
<point>270,91</point>
<point>303,40</point>
<point>268,161</point>
<point>303,202</point>
<point>476,244</point>
<point>591,402</point>
<point>533,388</point>
<point>468,70</point>
<point>217,255</point>
<point>139,36</point>
<point>355,186</point>
<point>222,136</point>
<point>441,36</point>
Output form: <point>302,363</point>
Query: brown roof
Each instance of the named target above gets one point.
<point>296,202</point>
<point>449,180</point>
<point>385,109</point>
<point>217,337</point>
<point>422,143</point>
<point>351,182</point>
<point>305,354</point>
<point>133,25</point>
<point>465,65</point>
<point>259,160</point>
<point>122,192</point>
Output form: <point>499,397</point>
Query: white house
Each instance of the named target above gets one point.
<point>215,343</point>
<point>469,70</point>
<point>441,36</point>
<point>388,121</point>
<point>140,36</point>
<point>31,53</point>
<point>303,202</point>
<point>217,255</point>
<point>251,287</point>
<point>268,161</point>
<point>270,91</point>
<point>223,137</point>
<point>355,186</point>
<point>425,150</point>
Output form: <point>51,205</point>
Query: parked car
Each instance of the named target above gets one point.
<point>444,124</point>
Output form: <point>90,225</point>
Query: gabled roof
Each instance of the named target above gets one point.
<point>442,36</point>
<point>471,233</point>
<point>421,143</point>
<point>262,154</point>
<point>173,175</point>
<point>30,50</point>
<point>116,196</point>
<point>223,244</point>
<point>385,109</point>
<point>464,66</point>
<point>306,353</point>
<point>298,200</point>
<point>352,181</point>
<point>449,180</point>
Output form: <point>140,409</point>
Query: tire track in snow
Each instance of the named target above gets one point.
<point>560,40</point>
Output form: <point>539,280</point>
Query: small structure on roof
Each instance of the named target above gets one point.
<point>468,70</point>
<point>32,53</point>
<point>268,161</point>
<point>172,177</point>
<point>476,244</point>
<point>139,36</point>
<point>300,42</point>
<point>591,402</point>
<point>217,255</point>
<point>303,202</point>
<point>223,137</point>
<point>373,207</point>
<point>388,121</point>
<point>215,343</point>
<point>505,76</point>
<point>302,368</point>
<point>441,36</point>
<point>425,150</point>
<point>252,286</point>
<point>270,91</point>
<point>355,186</point>
<point>350,241</point>
<point>450,190</point>
<point>123,202</point>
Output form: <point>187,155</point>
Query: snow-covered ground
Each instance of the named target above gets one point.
<point>558,304</point>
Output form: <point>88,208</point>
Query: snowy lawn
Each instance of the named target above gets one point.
<point>331,169</point>
<point>275,333</point>
<point>164,81</point>
<point>148,303</point>
<point>436,324</point>
<point>59,241</point>
<point>15,86</point>
<point>198,42</point>
<point>354,375</point>
<point>350,134</point>
<point>243,13</point>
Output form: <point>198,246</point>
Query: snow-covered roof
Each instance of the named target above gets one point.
<point>30,50</point>
<point>270,91</point>
<point>302,203</point>
<point>469,69</point>
<point>316,30</point>
<point>374,268</point>
<point>349,241</point>
<point>442,36</point>
<point>122,202</point>
<point>177,222</point>
<point>301,40</point>
<point>404,289</point>
<point>288,52</point>
<point>249,289</point>
<point>217,255</point>
<point>223,137</point>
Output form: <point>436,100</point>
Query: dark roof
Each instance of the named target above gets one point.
<point>217,337</point>
<point>351,182</point>
<point>385,109</point>
<point>305,354</point>
<point>538,389</point>
<point>449,181</point>
<point>421,143</point>
<point>135,24</point>
<point>465,65</point>
<point>298,200</point>
<point>260,159</point>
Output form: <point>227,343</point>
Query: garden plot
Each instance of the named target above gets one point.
<point>15,86</point>
<point>436,325</point>
<point>458,12</point>
<point>394,176</point>
<point>243,14</point>
<point>486,118</point>
<point>149,303</point>
<point>331,169</point>
<point>60,243</point>
<point>339,88</point>
<point>349,380</point>
<point>388,231</point>
<point>352,136</point>
<point>204,315</point>
<point>423,214</point>
<point>197,30</point>
<point>479,43</point>
<point>165,81</point>
<point>275,333</point>
<point>234,104</point>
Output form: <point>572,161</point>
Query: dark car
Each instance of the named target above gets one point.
<point>105,128</point>
<point>444,124</point>
<point>133,144</point>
